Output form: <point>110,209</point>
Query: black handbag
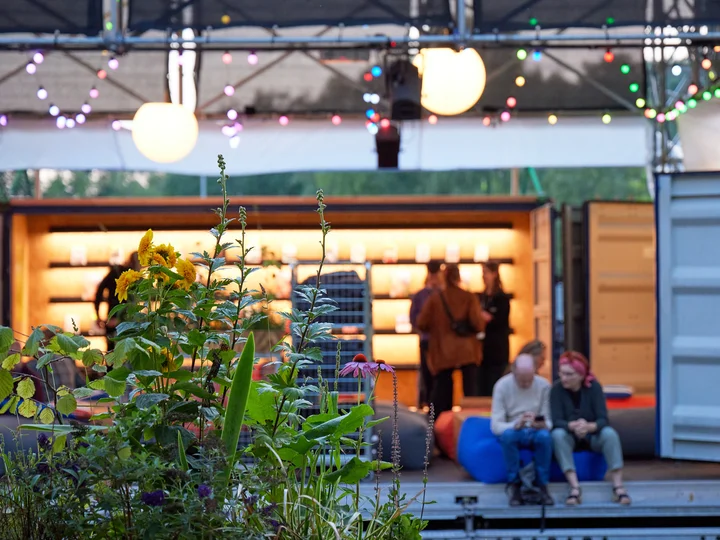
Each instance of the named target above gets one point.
<point>463,327</point>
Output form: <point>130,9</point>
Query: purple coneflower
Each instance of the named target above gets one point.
<point>153,498</point>
<point>382,366</point>
<point>204,491</point>
<point>359,367</point>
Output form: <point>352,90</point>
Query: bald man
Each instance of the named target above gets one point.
<point>521,419</point>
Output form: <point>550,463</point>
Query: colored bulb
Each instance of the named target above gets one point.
<point>61,122</point>
<point>520,81</point>
<point>94,93</point>
<point>336,119</point>
<point>717,92</point>
<point>370,113</point>
<point>521,54</point>
<point>31,68</point>
<point>42,93</point>
<point>650,113</point>
<point>70,123</point>
<point>608,56</point>
<point>374,99</point>
<point>228,131</point>
<point>113,63</point>
<point>234,141</point>
<point>367,96</point>
<point>3,120</point>
<point>376,71</point>
<point>676,70</point>
<point>225,19</point>
<point>552,119</point>
<point>692,103</point>
<point>706,63</point>
<point>639,103</point>
<point>372,128</point>
<point>661,118</point>
<point>116,125</point>
<point>505,116</point>
<point>54,110</point>
<point>384,123</point>
<point>432,119</point>
<point>232,114</point>
<point>102,74</point>
<point>368,77</point>
<point>227,58</point>
<point>606,118</point>
<point>38,57</point>
<point>693,89</point>
<point>634,87</point>
<point>610,20</point>
<point>80,118</point>
<point>511,102</point>
<point>706,95</point>
<point>229,90</point>
<point>533,21</point>
<point>537,55</point>
<point>253,58</point>
<point>487,121</point>
<point>624,69</point>
<point>284,120</point>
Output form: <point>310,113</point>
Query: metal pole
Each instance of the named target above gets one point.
<point>514,181</point>
<point>203,186</point>
<point>286,42</point>
<point>461,17</point>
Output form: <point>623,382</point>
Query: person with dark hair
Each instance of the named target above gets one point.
<point>495,305</point>
<point>106,293</point>
<point>538,350</point>
<point>452,317</point>
<point>433,283</point>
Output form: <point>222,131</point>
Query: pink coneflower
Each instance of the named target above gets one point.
<point>382,366</point>
<point>359,367</point>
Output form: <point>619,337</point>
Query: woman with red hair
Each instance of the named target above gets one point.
<point>580,421</point>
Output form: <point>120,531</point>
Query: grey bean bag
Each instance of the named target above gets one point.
<point>413,432</point>
<point>636,428</point>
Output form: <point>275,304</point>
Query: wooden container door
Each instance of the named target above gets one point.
<point>621,293</point>
<point>541,230</point>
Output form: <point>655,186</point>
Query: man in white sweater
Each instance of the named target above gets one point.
<point>521,419</point>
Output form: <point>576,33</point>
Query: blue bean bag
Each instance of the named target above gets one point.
<point>480,454</point>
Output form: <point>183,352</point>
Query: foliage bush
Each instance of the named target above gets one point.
<point>163,459</point>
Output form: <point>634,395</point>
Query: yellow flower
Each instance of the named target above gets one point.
<point>145,249</point>
<point>186,269</point>
<point>159,259</point>
<point>168,255</point>
<point>126,279</point>
<point>167,360</point>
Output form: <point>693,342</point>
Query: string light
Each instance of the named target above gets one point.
<point>80,118</point>
<point>692,103</point>
<point>706,95</point>
<point>505,116</point>
<point>706,63</point>
<point>229,90</point>
<point>284,120</point>
<point>376,71</point>
<point>537,55</point>
<point>533,21</point>
<point>650,113</point>
<point>634,87</point>
<point>680,106</point>
<point>432,119</point>
<point>367,77</point>
<point>372,128</point>
<point>116,125</point>
<point>3,120</point>
<point>61,122</point>
<point>38,57</point>
<point>113,63</point>
<point>370,113</point>
<point>227,58</point>
<point>70,123</point>
<point>606,118</point>
<point>521,54</point>
<point>511,102</point>
<point>520,80</point>
<point>31,68</point>
<point>336,120</point>
<point>676,70</point>
<point>661,118</point>
<point>102,74</point>
<point>384,123</point>
<point>639,103</point>
<point>717,92</point>
<point>228,131</point>
<point>54,110</point>
<point>486,121</point>
<point>671,115</point>
<point>94,93</point>
<point>609,56</point>
<point>225,19</point>
<point>625,69</point>
<point>692,89</point>
<point>610,20</point>
<point>232,114</point>
<point>253,58</point>
<point>552,119</point>
<point>42,93</point>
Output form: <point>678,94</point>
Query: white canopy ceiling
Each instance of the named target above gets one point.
<point>267,147</point>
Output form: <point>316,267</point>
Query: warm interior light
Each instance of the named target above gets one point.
<point>164,132</point>
<point>452,82</point>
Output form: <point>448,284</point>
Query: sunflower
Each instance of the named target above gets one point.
<point>186,269</point>
<point>167,253</point>
<point>145,249</point>
<point>126,279</point>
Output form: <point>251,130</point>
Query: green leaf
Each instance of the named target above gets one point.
<point>45,359</point>
<point>91,357</point>
<point>67,404</point>
<point>352,472</point>
<point>237,402</point>
<point>98,384</point>
<point>25,388</point>
<point>58,428</point>
<point>193,389</point>
<point>196,338</point>
<point>47,416</point>
<point>181,375</point>
<point>113,387</point>
<point>373,423</point>
<point>83,392</point>
<point>124,453</point>
<point>66,344</point>
<point>59,443</point>
<point>27,408</point>
<point>11,361</point>
<point>145,401</point>
<point>33,342</point>
<point>181,452</point>
<point>147,373</point>
<point>6,384</point>
<point>7,338</point>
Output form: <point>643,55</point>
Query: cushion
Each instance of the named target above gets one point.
<point>413,433</point>
<point>480,454</point>
<point>445,435</point>
<point>636,428</point>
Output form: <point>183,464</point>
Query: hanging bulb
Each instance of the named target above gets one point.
<point>520,81</point>
<point>113,63</point>
<point>609,56</point>
<point>511,102</point>
<point>336,119</point>
<point>38,57</point>
<point>232,114</point>
<point>384,123</point>
<point>640,103</point>
<point>102,74</point>
<point>487,121</point>
<point>606,118</point>
<point>3,120</point>
<point>676,70</point>
<point>229,90</point>
<point>505,116</point>
<point>116,125</point>
<point>252,58</point>
<point>80,118</point>
<point>42,93</point>
<point>432,119</point>
<point>692,89</point>
<point>284,120</point>
<point>552,119</point>
<point>70,123</point>
<point>31,68</point>
<point>706,63</point>
<point>86,108</point>
<point>60,122</point>
<point>374,99</point>
<point>228,131</point>
<point>227,58</point>
<point>54,110</point>
<point>521,54</point>
<point>94,93</point>
<point>537,55</point>
<point>376,71</point>
<point>372,128</point>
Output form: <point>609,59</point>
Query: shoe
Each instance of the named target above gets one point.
<point>545,497</point>
<point>514,494</point>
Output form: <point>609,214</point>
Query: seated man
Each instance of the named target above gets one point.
<point>521,418</point>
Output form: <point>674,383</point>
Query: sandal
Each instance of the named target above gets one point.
<point>620,495</point>
<point>574,497</point>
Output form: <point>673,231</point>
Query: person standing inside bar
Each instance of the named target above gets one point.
<point>106,293</point>
<point>433,282</point>
<point>453,318</point>
<point>495,305</point>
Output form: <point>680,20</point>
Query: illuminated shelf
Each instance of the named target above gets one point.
<point>79,300</point>
<point>391,332</point>
<point>461,261</point>
<point>388,297</point>
<point>90,264</point>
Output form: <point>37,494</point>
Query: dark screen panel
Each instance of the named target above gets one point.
<point>49,16</point>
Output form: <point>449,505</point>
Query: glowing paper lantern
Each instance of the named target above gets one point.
<point>452,82</point>
<point>164,132</point>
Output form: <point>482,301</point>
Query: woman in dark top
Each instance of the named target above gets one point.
<point>496,345</point>
<point>580,421</point>
<point>106,293</point>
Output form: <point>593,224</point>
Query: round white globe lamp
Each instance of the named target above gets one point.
<point>452,82</point>
<point>164,132</point>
